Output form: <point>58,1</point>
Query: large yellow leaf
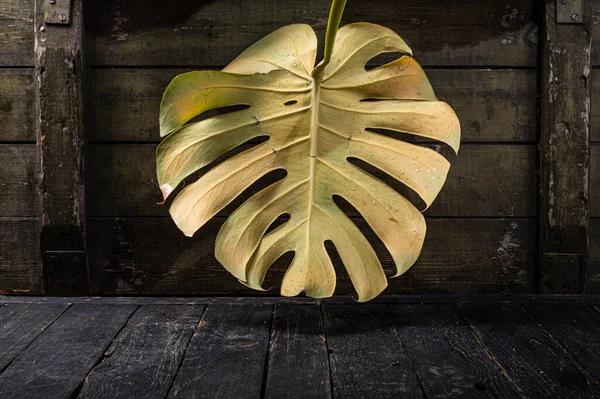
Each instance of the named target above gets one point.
<point>316,119</point>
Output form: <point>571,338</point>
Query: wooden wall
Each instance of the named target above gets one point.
<point>20,257</point>
<point>481,57</point>
<point>593,285</point>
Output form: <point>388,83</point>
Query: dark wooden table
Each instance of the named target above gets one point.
<point>396,347</point>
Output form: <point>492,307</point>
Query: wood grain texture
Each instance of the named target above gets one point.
<point>212,33</point>
<point>492,105</point>
<point>594,184</point>
<point>59,78</point>
<point>128,259</point>
<point>484,181</point>
<point>576,326</point>
<point>446,356</point>
<point>17,104</point>
<point>528,354</point>
<point>16,33</point>
<point>595,33</point>
<point>593,275</point>
<point>564,153</point>
<point>298,349</point>
<point>367,358</point>
<point>227,355</point>
<point>144,358</point>
<point>18,179</point>
<point>22,323</point>
<point>595,94</point>
<point>20,256</point>
<point>56,363</point>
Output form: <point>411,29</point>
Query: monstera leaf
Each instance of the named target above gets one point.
<point>316,119</point>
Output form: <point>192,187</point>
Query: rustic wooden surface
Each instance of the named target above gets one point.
<point>298,329</point>
<point>135,367</point>
<point>438,346</point>
<point>16,33</point>
<point>564,152</point>
<point>59,78</point>
<point>484,181</point>
<point>128,259</point>
<point>447,356</point>
<point>493,105</point>
<point>208,33</point>
<point>17,105</point>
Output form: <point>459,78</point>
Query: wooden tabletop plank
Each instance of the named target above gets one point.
<point>21,323</point>
<point>227,356</point>
<point>446,356</point>
<point>366,356</point>
<point>144,358</point>
<point>56,363</point>
<point>298,349</point>
<point>530,356</point>
<point>576,326</point>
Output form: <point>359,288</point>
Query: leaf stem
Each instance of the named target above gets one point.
<point>333,24</point>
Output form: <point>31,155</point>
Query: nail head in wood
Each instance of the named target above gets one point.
<point>57,12</point>
<point>569,11</point>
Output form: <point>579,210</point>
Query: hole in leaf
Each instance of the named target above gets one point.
<point>218,111</point>
<point>278,222</point>
<point>290,102</point>
<point>382,59</point>
<point>382,253</point>
<point>440,147</point>
<point>276,272</point>
<point>400,187</point>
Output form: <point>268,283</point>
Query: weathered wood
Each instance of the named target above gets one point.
<point>59,98</point>
<point>20,257</point>
<point>17,104</point>
<point>492,105</point>
<point>446,356</point>
<point>595,96</point>
<point>499,33</point>
<point>144,358</point>
<point>595,180</point>
<point>55,364</point>
<point>576,326</point>
<point>593,283</point>
<point>298,349</point>
<point>564,152</point>
<point>528,354</point>
<point>18,180</point>
<point>128,259</point>
<point>22,323</point>
<point>16,33</point>
<point>227,355</point>
<point>366,356</point>
<point>595,33</point>
<point>484,180</point>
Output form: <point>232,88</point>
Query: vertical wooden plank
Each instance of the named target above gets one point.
<point>56,363</point>
<point>446,356</point>
<point>145,356</point>
<point>59,133</point>
<point>366,357</point>
<point>21,323</point>
<point>564,148</point>
<point>298,360</point>
<point>227,356</point>
<point>528,354</point>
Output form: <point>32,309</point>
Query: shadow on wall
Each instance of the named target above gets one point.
<point>134,15</point>
<point>428,25</point>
